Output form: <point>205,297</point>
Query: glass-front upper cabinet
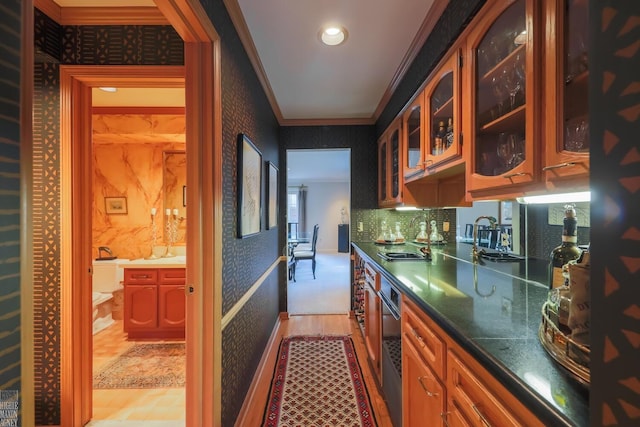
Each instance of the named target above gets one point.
<point>566,92</point>
<point>389,166</point>
<point>442,97</point>
<point>413,132</point>
<point>502,126</point>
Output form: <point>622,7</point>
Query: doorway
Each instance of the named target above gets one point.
<point>319,193</point>
<point>204,180</point>
<point>139,157</point>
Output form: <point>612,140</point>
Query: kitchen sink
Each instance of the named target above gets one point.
<point>400,256</point>
<point>502,257</point>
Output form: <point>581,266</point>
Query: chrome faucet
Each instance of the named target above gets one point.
<point>475,254</point>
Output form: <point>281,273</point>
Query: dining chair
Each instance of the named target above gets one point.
<point>308,254</point>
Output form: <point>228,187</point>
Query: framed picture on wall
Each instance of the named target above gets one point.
<point>249,187</point>
<point>506,212</point>
<point>272,195</point>
<point>115,205</point>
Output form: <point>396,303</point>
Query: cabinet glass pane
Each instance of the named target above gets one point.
<point>413,137</point>
<point>395,163</point>
<point>500,98</point>
<point>383,170</point>
<point>441,110</point>
<point>576,70</point>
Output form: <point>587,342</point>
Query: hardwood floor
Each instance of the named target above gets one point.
<point>254,405</point>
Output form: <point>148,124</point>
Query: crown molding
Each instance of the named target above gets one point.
<point>430,21</point>
<point>134,15</point>
<point>328,122</point>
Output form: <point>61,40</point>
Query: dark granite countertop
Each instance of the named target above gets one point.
<point>496,321</point>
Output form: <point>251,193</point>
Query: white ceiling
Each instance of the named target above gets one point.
<point>308,80</point>
<point>314,81</point>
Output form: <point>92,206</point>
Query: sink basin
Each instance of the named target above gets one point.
<point>400,256</point>
<point>502,257</point>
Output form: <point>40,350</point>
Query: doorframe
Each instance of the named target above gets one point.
<point>200,76</point>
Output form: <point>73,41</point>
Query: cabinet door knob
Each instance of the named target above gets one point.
<point>513,175</point>
<point>444,415</point>
<point>417,336</point>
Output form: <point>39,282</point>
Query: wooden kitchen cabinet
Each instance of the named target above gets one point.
<point>413,137</point>
<point>373,319</point>
<point>389,174</point>
<point>442,116</point>
<point>443,385</point>
<point>154,302</point>
<point>566,94</point>
<point>502,83</point>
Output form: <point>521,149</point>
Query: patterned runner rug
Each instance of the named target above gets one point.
<point>318,382</point>
<point>145,366</point>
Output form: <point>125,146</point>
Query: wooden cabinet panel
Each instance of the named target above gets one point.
<point>140,276</point>
<point>504,154</point>
<point>140,307</point>
<point>473,398</point>
<point>390,178</point>
<point>423,394</point>
<point>154,305</point>
<point>426,341</point>
<point>171,306</point>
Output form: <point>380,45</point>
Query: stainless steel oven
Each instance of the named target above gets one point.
<point>391,350</point>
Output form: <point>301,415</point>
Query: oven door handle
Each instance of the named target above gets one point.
<point>395,312</point>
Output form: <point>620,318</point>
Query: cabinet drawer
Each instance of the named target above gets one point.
<point>140,276</point>
<point>372,277</point>
<point>427,342</point>
<point>173,276</point>
<point>474,399</point>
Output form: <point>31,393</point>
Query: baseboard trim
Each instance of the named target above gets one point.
<point>256,397</point>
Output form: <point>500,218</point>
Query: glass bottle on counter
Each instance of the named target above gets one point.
<point>567,251</point>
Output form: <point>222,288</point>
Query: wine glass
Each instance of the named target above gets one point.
<point>505,151</point>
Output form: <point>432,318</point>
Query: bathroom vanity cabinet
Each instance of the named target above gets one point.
<point>154,302</point>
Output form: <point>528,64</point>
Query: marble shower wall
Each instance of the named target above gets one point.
<point>128,153</point>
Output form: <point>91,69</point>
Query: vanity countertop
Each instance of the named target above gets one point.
<point>493,311</point>
<point>178,261</point>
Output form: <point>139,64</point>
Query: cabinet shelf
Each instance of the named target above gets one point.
<point>514,119</point>
<point>509,61</point>
<point>445,110</point>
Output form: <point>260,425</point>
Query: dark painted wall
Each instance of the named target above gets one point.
<point>10,30</point>
<point>245,109</point>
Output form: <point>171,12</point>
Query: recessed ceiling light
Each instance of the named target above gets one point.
<point>333,36</point>
<point>108,89</point>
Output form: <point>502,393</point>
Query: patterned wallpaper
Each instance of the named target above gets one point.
<point>112,45</point>
<point>245,109</point>
<point>614,100</point>
<point>10,202</point>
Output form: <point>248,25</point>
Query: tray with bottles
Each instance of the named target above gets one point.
<point>569,353</point>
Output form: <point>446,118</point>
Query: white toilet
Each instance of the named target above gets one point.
<point>107,278</point>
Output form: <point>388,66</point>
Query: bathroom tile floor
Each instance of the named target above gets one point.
<point>145,405</point>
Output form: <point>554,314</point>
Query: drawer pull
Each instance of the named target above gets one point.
<point>513,175</point>
<point>417,336</point>
<point>558,166</point>
<point>443,415</point>
<point>141,276</point>
<point>426,390</point>
<point>482,418</point>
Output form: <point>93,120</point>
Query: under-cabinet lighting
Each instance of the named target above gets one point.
<point>406,208</point>
<point>108,89</point>
<point>582,196</point>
